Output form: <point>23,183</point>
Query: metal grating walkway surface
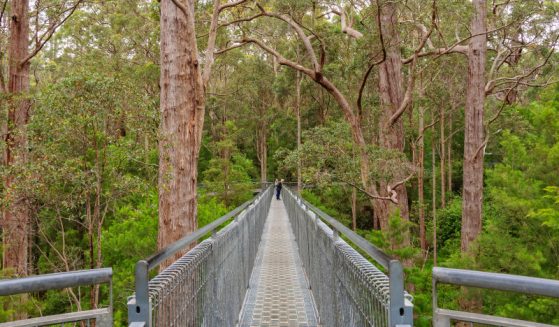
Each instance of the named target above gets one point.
<point>279,293</point>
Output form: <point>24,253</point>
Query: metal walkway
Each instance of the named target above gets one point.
<point>279,293</point>
<point>257,265</point>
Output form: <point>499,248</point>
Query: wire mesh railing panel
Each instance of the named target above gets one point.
<point>207,286</point>
<point>348,289</point>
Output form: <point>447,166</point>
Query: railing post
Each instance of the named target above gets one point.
<point>334,284</point>
<point>400,313</point>
<point>438,320</point>
<point>139,307</point>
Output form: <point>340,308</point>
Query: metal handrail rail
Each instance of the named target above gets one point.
<point>157,258</point>
<point>142,268</point>
<point>374,252</point>
<point>62,280</point>
<point>488,280</point>
<point>55,281</point>
<point>400,301</point>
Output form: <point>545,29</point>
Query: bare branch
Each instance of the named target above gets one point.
<point>391,198</point>
<point>230,5</point>
<point>456,47</point>
<point>207,71</point>
<point>490,86</point>
<point>181,7</point>
<point>304,38</point>
<point>240,20</point>
<point>408,96</point>
<point>49,33</point>
<point>347,27</point>
<point>370,69</point>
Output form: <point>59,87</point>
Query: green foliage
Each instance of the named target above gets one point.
<point>328,155</point>
<point>229,173</point>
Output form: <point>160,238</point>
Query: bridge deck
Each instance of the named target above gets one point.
<point>279,294</point>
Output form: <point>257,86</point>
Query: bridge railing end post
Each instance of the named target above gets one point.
<point>139,305</point>
<point>401,309</point>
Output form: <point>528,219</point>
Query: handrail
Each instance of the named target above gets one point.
<point>488,280</point>
<point>55,281</point>
<point>141,274</point>
<point>374,252</point>
<point>400,301</point>
<point>496,281</point>
<point>62,280</point>
<point>157,258</point>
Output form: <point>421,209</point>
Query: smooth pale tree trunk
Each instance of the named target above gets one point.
<point>182,118</point>
<point>449,153</point>
<point>434,188</point>
<point>262,152</point>
<point>420,177</point>
<point>474,130</point>
<point>354,208</point>
<point>298,111</point>
<point>16,215</point>
<point>443,158</point>
<point>391,94</point>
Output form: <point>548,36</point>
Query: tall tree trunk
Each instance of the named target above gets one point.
<point>443,158</point>
<point>420,177</point>
<point>391,96</point>
<point>474,129</point>
<point>262,152</point>
<point>16,216</point>
<point>182,118</point>
<point>449,153</point>
<point>434,187</point>
<point>354,208</point>
<point>298,110</point>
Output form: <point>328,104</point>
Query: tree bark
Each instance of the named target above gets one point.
<point>182,118</point>
<point>16,216</point>
<point>443,158</point>
<point>354,208</point>
<point>298,112</point>
<point>420,177</point>
<point>474,142</point>
<point>262,151</point>
<point>434,188</point>
<point>449,152</point>
<point>391,97</point>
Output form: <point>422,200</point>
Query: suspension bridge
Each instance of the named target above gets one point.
<point>273,263</point>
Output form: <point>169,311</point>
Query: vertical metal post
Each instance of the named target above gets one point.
<point>334,283</point>
<point>400,314</point>
<point>139,307</point>
<point>437,320</point>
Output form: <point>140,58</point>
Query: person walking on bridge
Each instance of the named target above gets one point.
<point>279,185</point>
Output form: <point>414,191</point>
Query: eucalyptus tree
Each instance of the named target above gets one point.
<point>183,84</point>
<point>27,38</point>
<point>314,67</point>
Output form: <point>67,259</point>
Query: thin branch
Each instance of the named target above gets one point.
<point>49,33</point>
<point>347,27</point>
<point>230,5</point>
<point>370,69</point>
<point>407,97</point>
<point>240,20</point>
<point>372,196</point>
<point>181,7</point>
<point>391,188</point>
<point>490,86</point>
<point>456,47</point>
<point>3,10</point>
<point>304,38</point>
